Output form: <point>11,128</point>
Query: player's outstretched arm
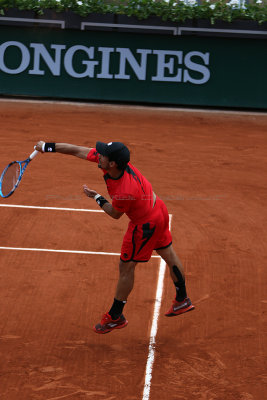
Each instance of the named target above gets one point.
<point>64,148</point>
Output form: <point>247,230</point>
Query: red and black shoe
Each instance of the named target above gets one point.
<point>108,324</point>
<point>180,307</point>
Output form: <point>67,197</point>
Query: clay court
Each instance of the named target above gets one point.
<point>210,169</point>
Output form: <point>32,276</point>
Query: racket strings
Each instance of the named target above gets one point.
<point>10,178</point>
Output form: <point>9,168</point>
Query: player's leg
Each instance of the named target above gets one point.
<point>170,257</point>
<point>114,319</point>
<point>124,287</point>
<point>126,280</point>
<point>181,302</point>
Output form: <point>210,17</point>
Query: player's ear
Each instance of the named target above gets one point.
<point>112,164</point>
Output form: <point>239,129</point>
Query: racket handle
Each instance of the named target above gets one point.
<point>34,154</point>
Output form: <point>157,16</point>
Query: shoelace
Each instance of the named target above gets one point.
<point>105,319</point>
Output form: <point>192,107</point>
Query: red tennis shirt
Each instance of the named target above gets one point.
<point>131,193</point>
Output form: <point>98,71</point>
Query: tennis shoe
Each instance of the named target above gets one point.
<point>180,307</point>
<point>108,324</point>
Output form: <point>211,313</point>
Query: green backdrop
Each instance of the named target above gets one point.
<point>112,66</point>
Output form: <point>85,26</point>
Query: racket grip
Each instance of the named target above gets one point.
<point>34,154</point>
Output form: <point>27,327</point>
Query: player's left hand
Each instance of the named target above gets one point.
<point>89,192</point>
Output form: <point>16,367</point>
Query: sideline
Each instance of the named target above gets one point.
<point>154,327</point>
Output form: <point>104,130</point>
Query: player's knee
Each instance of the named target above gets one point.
<point>169,256</point>
<point>126,268</point>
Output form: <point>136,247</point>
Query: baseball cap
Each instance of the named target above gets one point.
<point>115,151</point>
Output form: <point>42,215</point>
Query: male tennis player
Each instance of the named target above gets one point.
<point>148,229</point>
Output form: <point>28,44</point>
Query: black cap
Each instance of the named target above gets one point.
<point>115,151</point>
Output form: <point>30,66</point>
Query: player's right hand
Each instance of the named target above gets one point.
<point>39,145</point>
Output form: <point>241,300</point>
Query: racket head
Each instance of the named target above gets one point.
<point>10,178</point>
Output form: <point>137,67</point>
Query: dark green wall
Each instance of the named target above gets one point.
<point>226,72</point>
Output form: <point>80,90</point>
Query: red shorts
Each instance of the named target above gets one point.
<point>140,240</point>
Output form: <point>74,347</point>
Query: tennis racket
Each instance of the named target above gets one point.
<point>12,174</point>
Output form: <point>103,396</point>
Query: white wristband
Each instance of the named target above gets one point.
<point>43,147</point>
<point>97,196</point>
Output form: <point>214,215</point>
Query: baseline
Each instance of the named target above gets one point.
<point>52,208</point>
<point>103,253</point>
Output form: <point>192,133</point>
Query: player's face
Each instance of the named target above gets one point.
<point>103,162</point>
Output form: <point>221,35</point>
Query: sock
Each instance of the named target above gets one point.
<point>179,284</point>
<point>117,308</point>
<point>180,291</point>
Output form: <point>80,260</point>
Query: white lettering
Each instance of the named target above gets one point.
<point>80,61</point>
<point>196,67</point>
<point>105,63</point>
<point>163,64</point>
<point>23,63</point>
<point>68,62</point>
<point>139,70</point>
<point>53,65</point>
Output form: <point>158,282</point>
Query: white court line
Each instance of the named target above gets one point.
<point>102,253</point>
<point>59,251</point>
<point>154,328</point>
<point>52,208</point>
<point>159,292</point>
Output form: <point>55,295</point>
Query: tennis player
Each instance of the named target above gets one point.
<point>131,193</point>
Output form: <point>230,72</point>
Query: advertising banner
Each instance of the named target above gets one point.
<point>132,67</point>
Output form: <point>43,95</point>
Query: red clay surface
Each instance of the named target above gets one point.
<point>210,168</point>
